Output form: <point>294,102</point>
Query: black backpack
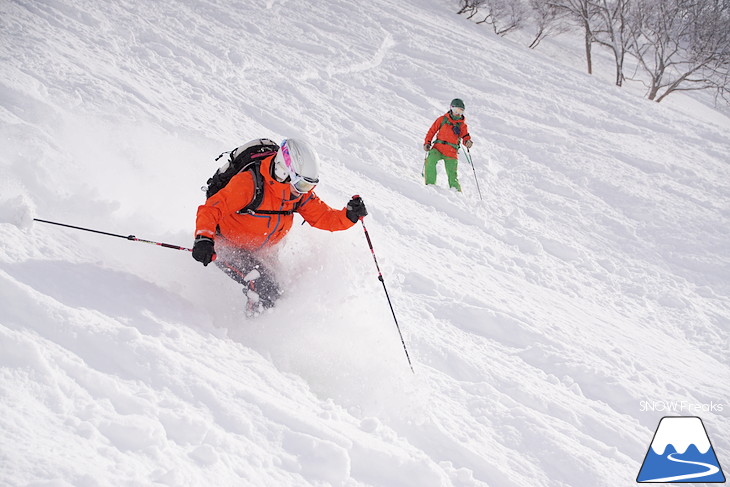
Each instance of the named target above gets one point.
<point>247,157</point>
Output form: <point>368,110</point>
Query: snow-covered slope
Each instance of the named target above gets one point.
<point>593,276</point>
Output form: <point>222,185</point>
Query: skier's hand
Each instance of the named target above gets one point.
<point>203,250</point>
<point>356,209</point>
<point>427,147</point>
<point>468,143</point>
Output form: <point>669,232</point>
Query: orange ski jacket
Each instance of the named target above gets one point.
<point>445,129</point>
<point>251,231</point>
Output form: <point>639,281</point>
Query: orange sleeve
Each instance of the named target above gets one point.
<point>466,135</point>
<point>235,195</point>
<point>318,214</point>
<point>432,131</point>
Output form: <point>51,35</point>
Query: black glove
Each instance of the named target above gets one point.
<point>356,209</point>
<point>203,250</point>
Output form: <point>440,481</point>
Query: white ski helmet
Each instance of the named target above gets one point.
<point>297,163</point>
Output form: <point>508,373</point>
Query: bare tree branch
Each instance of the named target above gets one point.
<point>548,20</point>
<point>683,45</point>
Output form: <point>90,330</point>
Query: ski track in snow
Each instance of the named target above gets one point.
<point>593,275</point>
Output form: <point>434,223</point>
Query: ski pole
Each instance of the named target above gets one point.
<point>128,237</point>
<point>380,278</point>
<point>468,156</point>
<point>423,169</point>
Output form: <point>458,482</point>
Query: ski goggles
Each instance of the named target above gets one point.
<point>457,110</point>
<point>302,184</point>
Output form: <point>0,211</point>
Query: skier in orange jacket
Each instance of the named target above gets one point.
<point>449,129</point>
<point>238,241</point>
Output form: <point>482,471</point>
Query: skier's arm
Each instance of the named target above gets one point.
<point>465,137</point>
<point>235,195</point>
<point>318,214</point>
<point>432,131</point>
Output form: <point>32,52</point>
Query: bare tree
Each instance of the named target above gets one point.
<point>723,86</point>
<point>709,49</point>
<point>582,12</point>
<point>548,20</point>
<point>469,7</point>
<point>613,30</point>
<point>683,45</point>
<point>503,16</point>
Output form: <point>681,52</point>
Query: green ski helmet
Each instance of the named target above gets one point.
<point>457,107</point>
<point>458,103</point>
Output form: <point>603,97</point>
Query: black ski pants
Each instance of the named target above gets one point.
<point>238,265</point>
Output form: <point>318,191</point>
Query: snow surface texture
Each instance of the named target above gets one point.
<point>594,274</point>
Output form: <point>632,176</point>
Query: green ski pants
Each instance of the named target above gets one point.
<point>450,164</point>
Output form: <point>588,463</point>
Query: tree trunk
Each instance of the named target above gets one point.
<point>653,91</point>
<point>619,69</point>
<point>538,37</point>
<point>589,40</point>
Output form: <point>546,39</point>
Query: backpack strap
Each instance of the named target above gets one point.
<point>258,188</point>
<point>274,212</point>
<point>439,141</point>
<point>258,195</point>
<point>444,121</point>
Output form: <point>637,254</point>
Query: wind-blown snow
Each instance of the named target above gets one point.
<point>594,274</point>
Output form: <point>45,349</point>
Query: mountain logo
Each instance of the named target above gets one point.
<point>680,452</point>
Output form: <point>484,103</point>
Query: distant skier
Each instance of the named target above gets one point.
<point>449,129</point>
<point>240,242</point>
